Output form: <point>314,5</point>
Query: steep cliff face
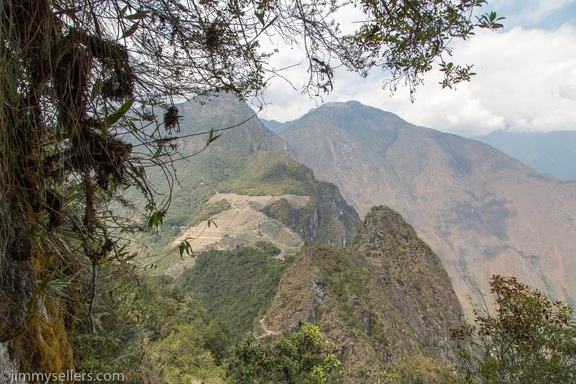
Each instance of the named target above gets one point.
<point>386,298</point>
<point>340,222</point>
<point>327,218</point>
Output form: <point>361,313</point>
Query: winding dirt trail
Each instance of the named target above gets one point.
<point>267,332</point>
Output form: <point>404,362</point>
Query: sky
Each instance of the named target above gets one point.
<point>526,78</point>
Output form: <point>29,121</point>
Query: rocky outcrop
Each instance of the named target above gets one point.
<point>386,297</point>
<point>327,218</point>
<point>340,221</point>
<point>411,277</point>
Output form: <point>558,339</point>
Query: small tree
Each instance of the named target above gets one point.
<point>302,357</point>
<point>529,339</point>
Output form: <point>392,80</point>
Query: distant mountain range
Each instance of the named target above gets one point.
<point>482,211</point>
<point>549,153</point>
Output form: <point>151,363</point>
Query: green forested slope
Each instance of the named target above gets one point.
<point>235,286</point>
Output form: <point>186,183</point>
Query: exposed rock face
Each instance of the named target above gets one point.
<point>412,278</point>
<point>328,218</point>
<point>387,296</point>
<point>341,220</point>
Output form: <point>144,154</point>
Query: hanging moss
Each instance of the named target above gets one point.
<point>44,346</point>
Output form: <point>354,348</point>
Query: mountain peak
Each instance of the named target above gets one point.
<point>411,275</point>
<point>361,111</point>
<point>384,226</point>
<point>386,298</point>
<point>474,205</point>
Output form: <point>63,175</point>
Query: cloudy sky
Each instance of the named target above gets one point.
<point>526,78</point>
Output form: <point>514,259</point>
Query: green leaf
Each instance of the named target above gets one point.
<point>137,16</point>
<point>156,219</point>
<point>52,288</point>
<point>114,117</point>
<point>260,16</point>
<point>185,246</point>
<point>490,21</point>
<point>211,138</point>
<point>133,124</point>
<point>130,31</point>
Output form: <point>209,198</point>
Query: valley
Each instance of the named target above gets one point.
<point>481,211</point>
<point>380,234</point>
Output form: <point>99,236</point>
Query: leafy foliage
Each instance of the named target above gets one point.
<point>415,369</point>
<point>409,37</point>
<point>153,333</point>
<point>183,356</point>
<point>280,210</point>
<point>301,357</point>
<point>529,339</point>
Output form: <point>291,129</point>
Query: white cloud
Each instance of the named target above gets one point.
<point>526,80</point>
<point>525,77</point>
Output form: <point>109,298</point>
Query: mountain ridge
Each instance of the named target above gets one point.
<point>480,210</point>
<point>387,298</point>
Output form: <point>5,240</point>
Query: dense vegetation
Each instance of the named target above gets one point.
<point>273,174</point>
<point>302,357</point>
<point>528,339</point>
<point>158,332</point>
<point>235,286</point>
<point>349,299</point>
<point>152,332</point>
